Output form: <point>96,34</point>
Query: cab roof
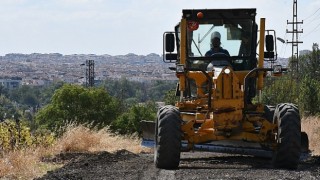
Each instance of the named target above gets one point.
<point>191,14</point>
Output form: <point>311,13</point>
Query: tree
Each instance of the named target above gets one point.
<point>309,73</point>
<point>299,87</point>
<point>129,122</point>
<point>7,108</point>
<point>309,65</point>
<point>309,96</point>
<point>47,92</point>
<point>142,91</point>
<point>170,97</point>
<point>3,90</point>
<point>79,105</point>
<point>30,100</point>
<point>277,90</point>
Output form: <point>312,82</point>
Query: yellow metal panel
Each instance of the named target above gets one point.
<point>236,88</point>
<point>200,116</point>
<point>200,80</point>
<point>205,137</point>
<point>209,132</point>
<point>182,83</point>
<point>240,75</point>
<point>187,116</point>
<point>261,53</point>
<point>225,103</point>
<point>229,120</point>
<point>227,85</point>
<point>183,41</point>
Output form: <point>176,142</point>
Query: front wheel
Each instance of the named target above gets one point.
<point>288,136</point>
<point>168,138</point>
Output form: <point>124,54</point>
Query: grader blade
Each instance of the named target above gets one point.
<point>219,148</point>
<point>229,149</point>
<point>148,130</point>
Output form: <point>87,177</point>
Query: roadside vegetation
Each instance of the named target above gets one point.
<point>301,88</point>
<point>35,161</point>
<point>38,123</point>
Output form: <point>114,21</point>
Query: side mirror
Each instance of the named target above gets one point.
<point>269,47</point>
<point>269,43</point>
<point>169,42</point>
<point>168,47</point>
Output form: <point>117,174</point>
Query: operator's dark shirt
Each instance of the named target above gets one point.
<point>221,50</point>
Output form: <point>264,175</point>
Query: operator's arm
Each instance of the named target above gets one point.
<point>208,53</point>
<point>226,52</point>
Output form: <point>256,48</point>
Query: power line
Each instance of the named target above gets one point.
<point>310,22</point>
<point>312,31</point>
<point>311,14</point>
<point>314,19</point>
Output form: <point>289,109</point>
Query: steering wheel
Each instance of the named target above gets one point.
<point>221,61</point>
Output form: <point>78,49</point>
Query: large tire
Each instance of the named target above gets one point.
<point>168,138</point>
<point>288,137</point>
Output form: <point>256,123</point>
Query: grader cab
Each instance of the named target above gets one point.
<point>219,107</point>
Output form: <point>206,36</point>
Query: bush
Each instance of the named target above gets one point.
<point>129,122</point>
<point>17,136</point>
<point>76,104</point>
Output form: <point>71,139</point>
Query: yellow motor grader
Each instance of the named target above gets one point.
<point>219,107</point>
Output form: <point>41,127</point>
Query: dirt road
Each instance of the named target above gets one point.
<point>196,165</point>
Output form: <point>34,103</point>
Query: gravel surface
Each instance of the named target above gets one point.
<point>193,165</point>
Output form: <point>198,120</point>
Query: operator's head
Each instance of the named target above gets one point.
<point>215,39</point>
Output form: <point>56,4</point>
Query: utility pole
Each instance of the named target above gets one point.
<point>295,39</point>
<point>90,73</point>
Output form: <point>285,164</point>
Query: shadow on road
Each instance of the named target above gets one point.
<point>202,160</point>
<point>225,162</point>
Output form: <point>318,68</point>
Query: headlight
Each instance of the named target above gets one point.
<point>227,71</point>
<point>180,68</point>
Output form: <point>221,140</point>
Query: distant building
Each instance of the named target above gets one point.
<point>10,83</point>
<point>35,82</point>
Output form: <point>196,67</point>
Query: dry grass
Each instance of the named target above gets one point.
<point>311,125</point>
<point>23,164</point>
<point>82,139</point>
<point>18,164</point>
<point>26,164</point>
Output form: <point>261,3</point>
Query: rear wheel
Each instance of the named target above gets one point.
<point>168,138</point>
<point>288,137</point>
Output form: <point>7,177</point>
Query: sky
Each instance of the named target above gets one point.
<point>119,27</point>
